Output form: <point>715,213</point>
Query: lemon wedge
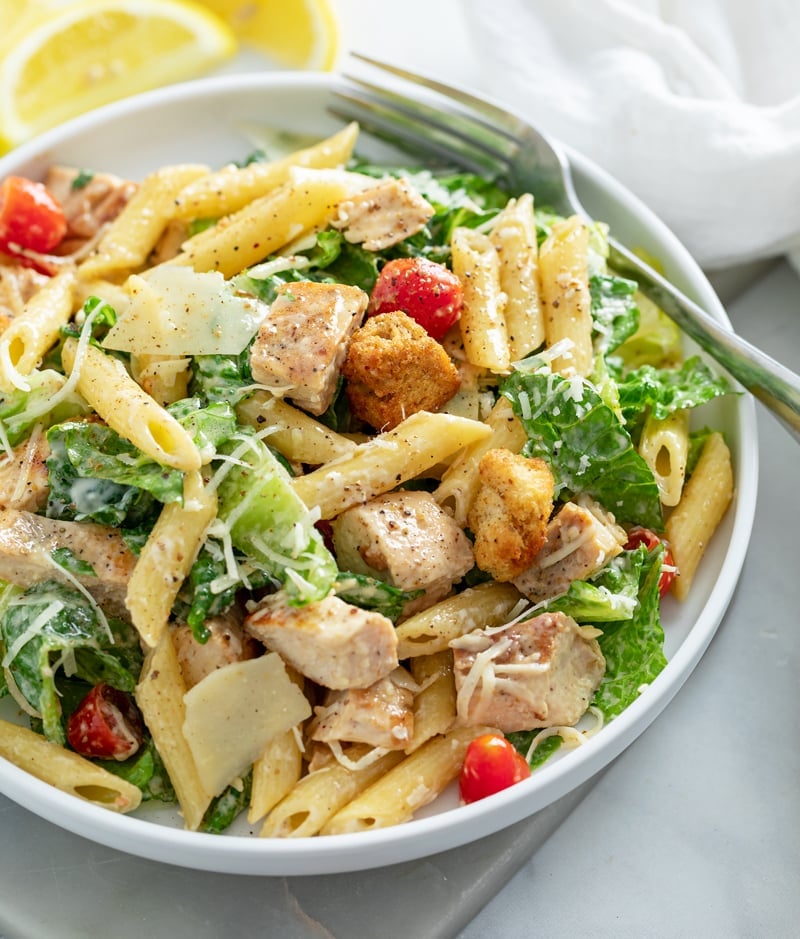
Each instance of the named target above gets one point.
<point>65,60</point>
<point>301,34</point>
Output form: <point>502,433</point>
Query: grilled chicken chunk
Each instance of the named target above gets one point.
<point>303,340</point>
<point>383,215</point>
<point>540,672</point>
<point>27,543</point>
<point>227,643</point>
<point>380,715</point>
<point>24,482</point>
<point>17,285</point>
<point>333,643</point>
<point>88,205</point>
<point>406,539</point>
<point>581,539</point>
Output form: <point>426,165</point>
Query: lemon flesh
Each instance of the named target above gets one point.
<point>87,54</point>
<point>295,33</point>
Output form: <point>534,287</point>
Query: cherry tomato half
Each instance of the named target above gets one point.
<point>30,217</point>
<point>641,535</point>
<point>491,764</point>
<point>106,725</point>
<point>426,291</point>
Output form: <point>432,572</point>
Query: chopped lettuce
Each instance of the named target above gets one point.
<point>221,378</point>
<point>372,594</point>
<point>145,770</point>
<point>662,391</point>
<point>21,410</point>
<point>633,647</point>
<point>615,314</point>
<point>223,810</point>
<point>583,441</point>
<point>269,523</point>
<point>51,626</point>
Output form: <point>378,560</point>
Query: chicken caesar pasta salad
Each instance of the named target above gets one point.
<point>327,484</point>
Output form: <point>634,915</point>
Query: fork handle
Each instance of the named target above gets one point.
<point>773,384</point>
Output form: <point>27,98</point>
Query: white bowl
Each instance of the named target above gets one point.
<point>204,121</point>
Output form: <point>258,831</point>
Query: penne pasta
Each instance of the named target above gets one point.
<point>417,444</point>
<point>275,773</point>
<point>566,302</point>
<point>435,704</point>
<point>129,410</point>
<point>432,629</point>
<point>513,235</point>
<point>319,796</point>
<point>30,335</point>
<point>66,770</point>
<point>160,694</point>
<point>664,445</point>
<point>694,519</point>
<point>295,434</point>
<point>133,234</point>
<point>482,322</point>
<point>410,785</point>
<point>233,187</point>
<point>167,557</point>
<point>265,225</point>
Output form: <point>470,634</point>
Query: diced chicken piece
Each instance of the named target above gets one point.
<point>333,643</point>
<point>540,672</point>
<point>27,543</point>
<point>17,285</point>
<point>380,715</point>
<point>89,202</point>
<point>510,513</point>
<point>394,369</point>
<point>227,643</point>
<point>405,539</point>
<point>303,340</point>
<point>581,539</point>
<point>24,482</point>
<point>383,215</point>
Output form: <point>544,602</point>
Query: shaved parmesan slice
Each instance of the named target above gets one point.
<point>175,310</point>
<point>233,713</point>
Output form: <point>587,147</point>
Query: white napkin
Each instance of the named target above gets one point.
<point>693,104</point>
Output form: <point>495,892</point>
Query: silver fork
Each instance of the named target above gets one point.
<point>471,132</point>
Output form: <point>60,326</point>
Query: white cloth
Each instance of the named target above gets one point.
<point>693,104</point>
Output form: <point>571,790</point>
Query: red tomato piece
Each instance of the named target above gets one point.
<point>30,217</point>
<point>106,725</point>
<point>641,535</point>
<point>491,763</point>
<point>426,291</point>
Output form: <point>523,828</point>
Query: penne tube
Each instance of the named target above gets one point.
<point>297,435</point>
<point>319,796</point>
<point>566,301</point>
<point>164,377</point>
<point>382,463</point>
<point>233,187</point>
<point>482,321</point>
<point>514,236</point>
<point>410,785</point>
<point>167,558</point>
<point>435,704</point>
<point>265,225</point>
<point>133,234</point>
<point>129,410</point>
<point>664,446</point>
<point>275,773</point>
<point>695,518</point>
<point>30,335</point>
<point>66,770</point>
<point>160,696</point>
<point>432,629</point>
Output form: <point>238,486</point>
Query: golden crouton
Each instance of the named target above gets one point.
<point>394,369</point>
<point>510,513</point>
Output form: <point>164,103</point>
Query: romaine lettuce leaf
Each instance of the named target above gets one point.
<point>584,443</point>
<point>614,311</point>
<point>20,410</point>
<point>665,390</point>
<point>372,594</point>
<point>51,625</point>
<point>633,647</point>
